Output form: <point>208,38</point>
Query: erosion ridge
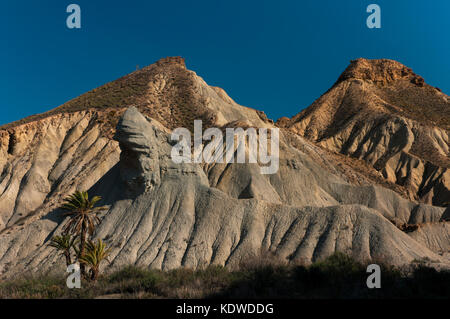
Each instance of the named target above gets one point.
<point>166,215</point>
<point>383,113</point>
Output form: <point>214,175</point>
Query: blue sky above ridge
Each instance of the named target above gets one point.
<point>275,56</point>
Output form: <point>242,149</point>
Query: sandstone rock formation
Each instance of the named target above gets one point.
<point>383,113</point>
<point>167,215</point>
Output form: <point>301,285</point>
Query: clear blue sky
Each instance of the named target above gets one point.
<point>276,56</point>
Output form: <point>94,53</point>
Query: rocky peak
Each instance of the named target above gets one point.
<point>381,112</point>
<point>379,71</point>
<point>167,215</point>
<point>175,60</point>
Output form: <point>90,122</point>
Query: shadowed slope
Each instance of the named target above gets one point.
<point>171,215</point>
<point>383,113</point>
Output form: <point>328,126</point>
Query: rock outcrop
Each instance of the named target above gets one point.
<point>167,215</point>
<point>383,113</point>
<point>48,160</point>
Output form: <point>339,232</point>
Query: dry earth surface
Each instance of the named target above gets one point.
<point>363,170</point>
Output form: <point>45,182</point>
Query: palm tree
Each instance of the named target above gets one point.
<point>83,218</point>
<point>64,243</point>
<point>94,255</point>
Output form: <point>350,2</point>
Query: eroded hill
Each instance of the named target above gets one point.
<point>167,215</point>
<point>383,113</point>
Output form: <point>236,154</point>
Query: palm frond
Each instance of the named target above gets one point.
<point>99,209</point>
<point>95,253</point>
<point>81,211</point>
<point>94,201</point>
<point>74,201</point>
<point>62,242</point>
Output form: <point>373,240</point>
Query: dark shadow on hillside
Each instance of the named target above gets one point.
<point>337,277</point>
<point>110,187</point>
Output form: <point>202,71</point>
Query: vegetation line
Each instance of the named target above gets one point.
<point>336,277</point>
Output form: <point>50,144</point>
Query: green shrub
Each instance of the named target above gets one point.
<point>337,276</point>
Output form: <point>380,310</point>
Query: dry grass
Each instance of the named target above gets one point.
<point>422,104</point>
<point>125,91</point>
<point>174,104</point>
<point>263,277</point>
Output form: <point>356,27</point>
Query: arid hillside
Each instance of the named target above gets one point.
<point>355,184</point>
<point>383,113</point>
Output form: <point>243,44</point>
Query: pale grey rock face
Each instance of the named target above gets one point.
<point>139,159</point>
<point>48,160</point>
<point>435,236</point>
<point>446,215</point>
<point>165,215</point>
